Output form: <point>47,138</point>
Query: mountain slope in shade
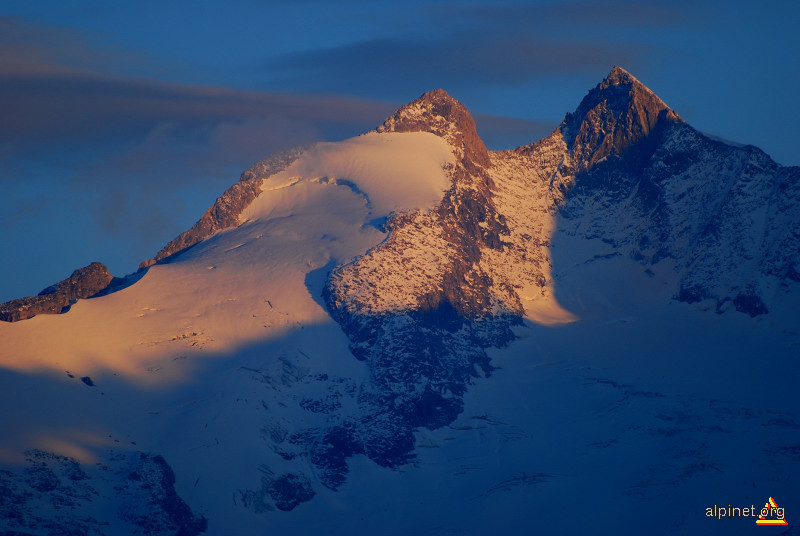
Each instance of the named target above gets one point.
<point>407,332</point>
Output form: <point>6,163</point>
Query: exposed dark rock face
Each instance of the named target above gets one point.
<point>722,213</point>
<point>83,283</point>
<point>284,492</point>
<point>224,213</point>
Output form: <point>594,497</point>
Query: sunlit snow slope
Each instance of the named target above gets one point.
<point>246,283</point>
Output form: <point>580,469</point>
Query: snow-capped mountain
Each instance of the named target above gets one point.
<point>405,331</point>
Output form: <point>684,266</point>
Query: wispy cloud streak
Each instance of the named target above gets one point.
<point>481,45</point>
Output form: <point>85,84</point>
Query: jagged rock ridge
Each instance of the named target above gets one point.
<point>454,235</point>
<point>83,283</point>
<point>439,113</point>
<point>225,211</point>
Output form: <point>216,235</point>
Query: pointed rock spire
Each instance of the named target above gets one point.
<point>439,113</point>
<point>619,112</point>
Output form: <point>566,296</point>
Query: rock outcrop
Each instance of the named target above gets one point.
<point>635,175</point>
<point>83,283</point>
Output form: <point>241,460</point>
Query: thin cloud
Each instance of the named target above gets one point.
<point>133,152</point>
<point>54,82</point>
<point>51,105</point>
<point>393,66</point>
<point>653,13</point>
<point>474,45</point>
<point>34,48</point>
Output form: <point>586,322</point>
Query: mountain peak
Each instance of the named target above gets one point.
<point>437,95</point>
<point>618,76</point>
<point>439,113</point>
<point>619,112</point>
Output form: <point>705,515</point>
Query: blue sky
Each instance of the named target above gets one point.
<point>123,121</point>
